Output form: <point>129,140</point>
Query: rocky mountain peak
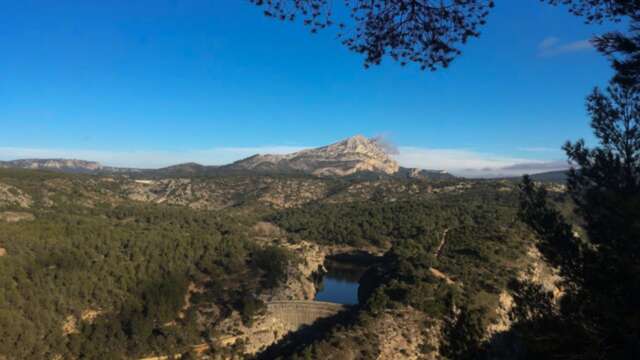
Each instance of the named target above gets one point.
<point>357,144</point>
<point>356,141</point>
<point>345,157</point>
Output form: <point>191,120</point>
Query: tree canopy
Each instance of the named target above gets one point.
<point>424,32</point>
<point>597,318</point>
<point>429,33</point>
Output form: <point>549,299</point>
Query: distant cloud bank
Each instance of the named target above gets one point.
<point>540,149</point>
<point>474,164</point>
<point>459,162</point>
<point>553,46</point>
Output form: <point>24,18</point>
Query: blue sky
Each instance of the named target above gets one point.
<point>154,82</point>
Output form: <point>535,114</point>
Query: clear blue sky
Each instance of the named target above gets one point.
<point>168,77</point>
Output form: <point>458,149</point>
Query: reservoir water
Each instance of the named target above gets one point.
<point>340,283</point>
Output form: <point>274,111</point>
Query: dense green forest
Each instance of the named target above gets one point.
<point>130,264</point>
<point>471,239</point>
<point>383,222</point>
<point>97,274</point>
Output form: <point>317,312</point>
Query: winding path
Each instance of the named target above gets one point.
<point>443,240</point>
<point>435,272</point>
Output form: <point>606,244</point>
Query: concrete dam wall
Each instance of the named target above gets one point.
<point>302,312</point>
<point>281,318</point>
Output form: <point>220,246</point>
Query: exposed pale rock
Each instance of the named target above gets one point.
<point>12,196</point>
<point>346,157</point>
<point>300,284</point>
<point>265,330</point>
<point>538,272</point>
<point>90,315</point>
<point>71,322</point>
<point>402,334</point>
<point>503,321</point>
<point>70,325</point>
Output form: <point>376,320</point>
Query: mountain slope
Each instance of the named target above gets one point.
<point>356,156</point>
<point>346,157</point>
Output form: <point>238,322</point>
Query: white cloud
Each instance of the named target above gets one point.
<point>451,159</point>
<point>552,46</point>
<point>472,163</point>
<point>548,42</point>
<point>460,162</point>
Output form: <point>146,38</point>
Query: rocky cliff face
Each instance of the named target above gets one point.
<point>355,154</point>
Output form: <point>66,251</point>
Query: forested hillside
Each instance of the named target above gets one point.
<point>112,267</point>
<point>456,252</point>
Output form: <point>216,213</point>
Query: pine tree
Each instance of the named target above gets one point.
<point>598,317</point>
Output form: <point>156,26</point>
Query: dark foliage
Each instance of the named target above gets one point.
<point>624,52</point>
<point>273,262</point>
<point>133,264</point>
<point>600,10</point>
<point>424,32</point>
<point>597,318</point>
<point>622,49</point>
<point>429,33</point>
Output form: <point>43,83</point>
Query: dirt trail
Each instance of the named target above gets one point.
<point>437,273</point>
<point>443,240</point>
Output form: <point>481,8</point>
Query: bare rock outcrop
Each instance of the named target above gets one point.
<point>300,283</point>
<point>12,196</point>
<point>265,330</point>
<point>72,322</point>
<point>538,272</point>
<point>402,334</point>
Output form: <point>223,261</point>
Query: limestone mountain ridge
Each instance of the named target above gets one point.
<point>354,156</point>
<point>346,157</point>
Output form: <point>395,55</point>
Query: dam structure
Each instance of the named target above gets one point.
<point>297,313</point>
<point>281,318</point>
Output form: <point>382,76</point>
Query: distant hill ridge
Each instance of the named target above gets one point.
<point>354,156</point>
<point>69,165</point>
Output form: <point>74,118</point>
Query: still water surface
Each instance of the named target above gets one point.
<point>340,284</point>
